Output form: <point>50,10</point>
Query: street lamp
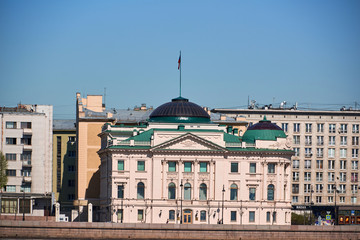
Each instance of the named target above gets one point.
<point>181,216</point>
<point>222,210</point>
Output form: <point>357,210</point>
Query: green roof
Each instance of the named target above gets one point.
<point>250,136</point>
<point>229,138</point>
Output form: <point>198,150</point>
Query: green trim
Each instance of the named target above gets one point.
<point>180,119</point>
<point>251,135</point>
<point>229,138</point>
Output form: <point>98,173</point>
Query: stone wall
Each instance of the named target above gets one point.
<point>83,230</point>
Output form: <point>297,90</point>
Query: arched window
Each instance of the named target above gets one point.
<point>270,192</point>
<point>187,191</point>
<point>140,190</point>
<point>233,191</point>
<point>203,191</point>
<point>172,190</point>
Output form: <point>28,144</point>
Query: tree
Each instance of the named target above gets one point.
<point>3,167</point>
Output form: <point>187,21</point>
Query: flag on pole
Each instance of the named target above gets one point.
<point>179,61</point>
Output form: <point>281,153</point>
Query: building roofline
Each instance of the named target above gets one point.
<point>286,112</point>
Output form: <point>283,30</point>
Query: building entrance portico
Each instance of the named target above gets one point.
<point>187,214</point>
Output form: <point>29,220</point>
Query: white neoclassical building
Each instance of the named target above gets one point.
<point>180,168</point>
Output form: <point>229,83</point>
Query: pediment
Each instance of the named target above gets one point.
<point>189,142</point>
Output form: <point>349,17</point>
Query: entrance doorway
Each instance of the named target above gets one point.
<point>187,214</point>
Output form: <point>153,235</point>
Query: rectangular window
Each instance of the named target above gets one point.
<point>203,166</point>
<point>11,141</point>
<point>354,177</point>
<point>72,139</point>
<point>234,167</point>
<point>295,176</point>
<point>120,191</point>
<point>354,153</point>
<point>354,189</point>
<point>319,188</point>
<point>331,140</point>
<point>342,199</point>
<point>343,128</point>
<point>307,199</point>
<point>251,216</point>
<point>295,199</point>
<point>252,167</point>
<point>307,164</point>
<point>271,167</point>
<point>26,172</point>
<point>331,153</point>
<point>203,216</point>
<point>355,141</point>
<point>268,214</point>
<point>343,140</point>
<point>296,164</point>
<point>120,165</point>
<point>319,164</point>
<point>120,215</point>
<point>71,168</point>
<point>71,183</point>
<point>308,152</point>
<point>319,176</point>
<point>320,127</point>
<point>11,125</point>
<point>355,128</point>
<point>233,216</point>
<point>295,188</point>
<point>331,164</point>
<point>354,165</point>
<point>71,154</point>
<point>320,140</point>
<point>172,166</point>
<point>307,176</point>
<point>11,156</point>
<point>331,177</point>
<point>25,188</point>
<point>330,199</point>
<point>252,192</point>
<point>353,199</point>
<point>26,140</point>
<point>172,215</point>
<point>308,140</point>
<point>342,165</point>
<point>297,152</point>
<point>11,172</point>
<point>332,128</point>
<point>141,165</point>
<point>140,215</point>
<point>318,199</point>
<point>343,152</point>
<point>187,166</point>
<point>307,188</point>
<point>296,139</point>
<point>24,206</point>
<point>308,127</point>
<point>25,125</point>
<point>319,152</point>
<point>296,127</point>
<point>284,127</point>
<point>10,188</point>
<point>342,188</point>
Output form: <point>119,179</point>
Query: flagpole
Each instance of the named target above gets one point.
<point>180,73</point>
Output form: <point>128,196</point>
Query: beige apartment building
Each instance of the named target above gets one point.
<point>325,167</point>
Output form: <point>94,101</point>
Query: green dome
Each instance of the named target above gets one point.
<point>264,130</point>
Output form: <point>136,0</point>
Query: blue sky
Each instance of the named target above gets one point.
<point>295,51</point>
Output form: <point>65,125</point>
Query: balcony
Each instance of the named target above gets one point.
<point>27,131</point>
<point>26,163</point>
<point>27,179</point>
<point>27,147</point>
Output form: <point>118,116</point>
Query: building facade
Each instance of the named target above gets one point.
<point>325,167</point>
<point>64,164</point>
<point>180,168</point>
<point>26,142</point>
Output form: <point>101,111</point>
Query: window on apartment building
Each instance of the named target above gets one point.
<point>296,127</point>
<point>71,154</point>
<point>354,188</point>
<point>252,168</point>
<point>270,192</point>
<point>343,128</point>
<point>354,153</point>
<point>320,152</point>
<point>203,192</point>
<point>331,177</point>
<point>295,188</point>
<point>120,191</point>
<point>203,166</point>
<point>295,199</point>
<point>10,188</point>
<point>342,188</point>
<point>295,176</point>
<point>140,215</point>
<point>24,205</point>
<point>71,168</point>
<point>343,152</point>
<point>233,216</point>
<point>10,156</point>
<point>331,164</point>
<point>26,156</point>
<point>307,188</point>
<point>296,164</point>
<point>354,165</point>
<point>331,140</point>
<point>120,214</point>
<point>252,216</point>
<point>307,199</point>
<point>332,128</point>
<point>319,188</point>
<point>203,216</point>
<point>343,140</point>
<point>284,127</point>
<point>11,125</point>
<point>353,199</point>
<point>297,152</point>
<point>320,140</point>
<point>320,127</point>
<point>355,128</point>
<point>25,125</point>
<point>319,164</point>
<point>187,191</point>
<point>187,166</point>
<point>140,190</point>
<point>172,191</point>
<point>331,152</point>
<point>72,139</point>
<point>343,177</point>
<point>26,188</point>
<point>342,164</point>
<point>172,166</point>
<point>26,172</point>
<point>252,193</point>
<point>171,215</point>
<point>354,177</point>
<point>26,140</point>
<point>319,176</point>
<point>11,172</point>
<point>233,191</point>
<point>355,141</point>
<point>330,199</point>
<point>120,165</point>
<point>271,167</point>
<point>11,141</point>
<point>234,167</point>
<point>268,216</point>
<point>307,176</point>
<point>318,199</point>
<point>308,140</point>
<point>331,188</point>
<point>141,166</point>
<point>71,197</point>
<point>308,127</point>
<point>296,139</point>
<point>308,152</point>
<point>71,183</point>
<point>307,164</point>
<point>342,199</point>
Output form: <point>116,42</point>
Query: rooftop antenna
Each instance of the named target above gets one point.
<point>105,96</point>
<point>179,68</point>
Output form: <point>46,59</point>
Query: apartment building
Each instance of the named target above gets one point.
<point>325,167</point>
<point>26,142</point>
